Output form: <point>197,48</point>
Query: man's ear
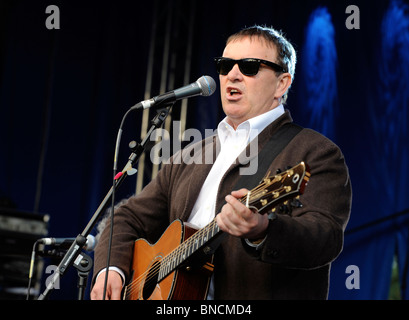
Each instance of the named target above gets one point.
<point>284,82</point>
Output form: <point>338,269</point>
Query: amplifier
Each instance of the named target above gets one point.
<point>19,230</point>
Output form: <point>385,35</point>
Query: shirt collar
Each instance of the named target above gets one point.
<point>252,127</point>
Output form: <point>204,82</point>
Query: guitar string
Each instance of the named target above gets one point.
<point>135,284</point>
<point>174,254</point>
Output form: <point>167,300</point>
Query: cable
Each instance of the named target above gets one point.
<point>30,273</point>
<point>114,180</point>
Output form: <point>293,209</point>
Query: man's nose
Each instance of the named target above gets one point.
<point>235,73</point>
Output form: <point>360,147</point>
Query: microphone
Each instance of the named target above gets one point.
<point>65,243</point>
<point>204,86</point>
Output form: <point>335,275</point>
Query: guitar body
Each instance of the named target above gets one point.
<point>187,282</point>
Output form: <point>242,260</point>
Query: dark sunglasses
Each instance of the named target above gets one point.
<point>248,67</point>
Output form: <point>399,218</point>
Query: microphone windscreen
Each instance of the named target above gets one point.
<point>207,84</point>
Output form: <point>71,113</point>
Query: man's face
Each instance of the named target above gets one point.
<point>244,97</point>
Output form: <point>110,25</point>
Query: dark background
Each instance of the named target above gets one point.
<point>64,92</point>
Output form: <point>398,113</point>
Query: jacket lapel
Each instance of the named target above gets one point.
<point>198,172</point>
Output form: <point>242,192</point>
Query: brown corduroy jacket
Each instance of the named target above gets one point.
<point>294,261</point>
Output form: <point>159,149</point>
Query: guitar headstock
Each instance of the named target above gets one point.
<point>278,188</point>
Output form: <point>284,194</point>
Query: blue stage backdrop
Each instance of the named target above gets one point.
<point>63,93</point>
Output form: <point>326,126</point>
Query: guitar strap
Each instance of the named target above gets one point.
<point>269,152</point>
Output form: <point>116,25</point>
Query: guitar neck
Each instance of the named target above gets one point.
<point>187,248</point>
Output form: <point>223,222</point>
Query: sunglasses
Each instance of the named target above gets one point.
<point>248,67</point>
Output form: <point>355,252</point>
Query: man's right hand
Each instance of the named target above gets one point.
<point>114,286</point>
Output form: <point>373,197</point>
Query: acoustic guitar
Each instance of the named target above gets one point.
<point>179,265</point>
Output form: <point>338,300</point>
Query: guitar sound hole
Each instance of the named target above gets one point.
<point>151,280</point>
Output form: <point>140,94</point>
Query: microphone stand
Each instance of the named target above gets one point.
<point>73,256</point>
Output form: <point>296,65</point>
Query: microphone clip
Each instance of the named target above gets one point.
<point>162,113</point>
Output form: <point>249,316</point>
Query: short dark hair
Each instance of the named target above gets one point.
<point>287,57</point>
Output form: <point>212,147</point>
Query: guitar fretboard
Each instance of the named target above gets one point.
<point>187,248</point>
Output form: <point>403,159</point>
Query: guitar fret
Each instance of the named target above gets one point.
<point>215,229</point>
<point>187,248</point>
<point>170,264</point>
<point>161,272</point>
<point>183,251</point>
<point>173,263</point>
<point>166,266</point>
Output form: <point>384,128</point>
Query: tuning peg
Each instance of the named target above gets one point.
<point>272,215</point>
<point>296,203</point>
<point>284,209</point>
<point>278,171</point>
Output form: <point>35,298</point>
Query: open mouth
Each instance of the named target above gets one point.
<point>233,92</point>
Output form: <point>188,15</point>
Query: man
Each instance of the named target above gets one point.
<point>281,256</point>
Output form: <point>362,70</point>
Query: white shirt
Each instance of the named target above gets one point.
<point>232,142</point>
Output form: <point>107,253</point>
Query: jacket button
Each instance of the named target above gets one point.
<point>274,253</point>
